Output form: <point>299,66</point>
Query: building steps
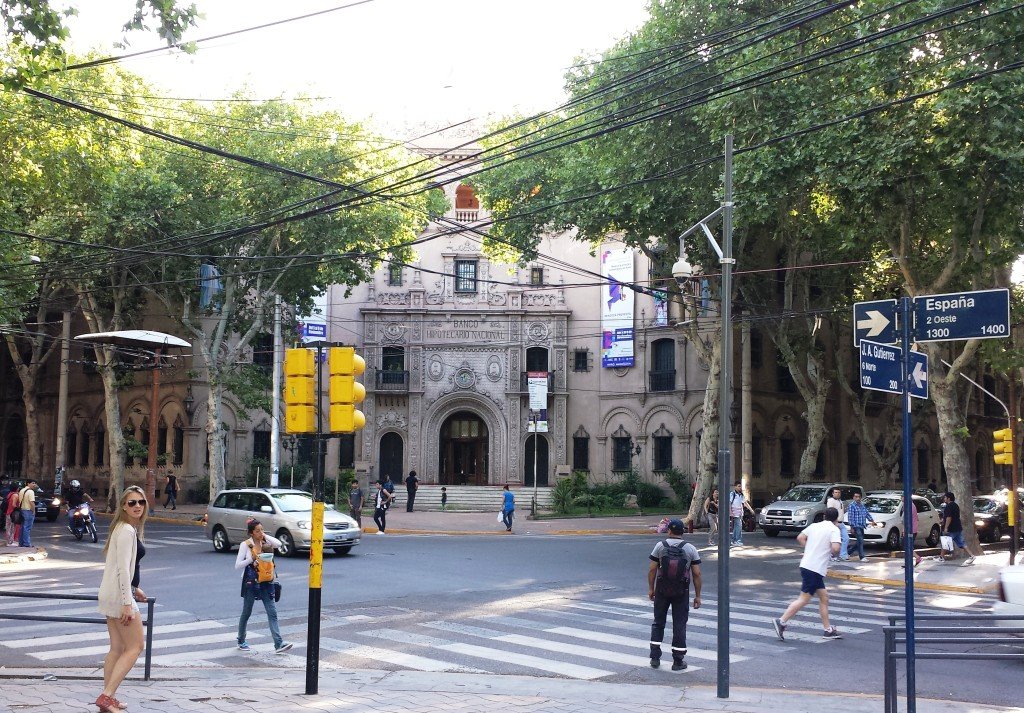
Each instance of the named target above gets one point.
<point>470,498</point>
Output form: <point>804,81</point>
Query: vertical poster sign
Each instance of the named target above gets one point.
<point>660,308</point>
<point>313,327</point>
<point>616,308</point>
<point>537,388</point>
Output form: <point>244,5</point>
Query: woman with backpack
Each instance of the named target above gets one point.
<point>258,582</point>
<point>120,592</point>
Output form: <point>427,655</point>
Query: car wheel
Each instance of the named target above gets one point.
<point>287,548</point>
<point>93,533</point>
<point>893,540</point>
<point>343,550</point>
<point>997,533</point>
<point>77,533</point>
<point>220,540</point>
<point>933,537</point>
<point>771,531</point>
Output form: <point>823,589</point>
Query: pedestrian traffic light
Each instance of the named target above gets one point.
<point>344,391</point>
<point>1003,446</point>
<point>300,391</point>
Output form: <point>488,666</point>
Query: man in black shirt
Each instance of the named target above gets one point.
<point>411,484</point>
<point>954,528</point>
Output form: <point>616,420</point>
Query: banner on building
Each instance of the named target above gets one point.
<point>660,308</point>
<point>313,327</point>
<point>617,308</point>
<point>537,388</point>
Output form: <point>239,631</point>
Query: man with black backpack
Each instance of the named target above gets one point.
<point>673,564</point>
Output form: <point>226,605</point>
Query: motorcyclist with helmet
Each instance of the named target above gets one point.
<point>75,496</point>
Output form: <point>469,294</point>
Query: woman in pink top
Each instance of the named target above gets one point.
<point>913,531</point>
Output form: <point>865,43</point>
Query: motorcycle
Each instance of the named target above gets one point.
<point>82,522</point>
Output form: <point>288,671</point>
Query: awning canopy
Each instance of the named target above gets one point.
<point>134,338</point>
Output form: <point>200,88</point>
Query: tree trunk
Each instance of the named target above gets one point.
<point>105,359</point>
<point>952,426</point>
<point>707,476</point>
<point>815,416</point>
<point>215,440</point>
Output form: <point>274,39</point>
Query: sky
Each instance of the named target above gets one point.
<point>403,64</point>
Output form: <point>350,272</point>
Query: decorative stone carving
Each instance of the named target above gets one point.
<point>391,419</point>
<point>435,368</point>
<point>533,299</point>
<point>370,330</point>
<point>393,332</point>
<point>538,332</point>
<point>494,368</point>
<point>393,298</point>
<point>465,378</point>
<point>468,247</point>
<point>620,370</point>
<point>495,298</point>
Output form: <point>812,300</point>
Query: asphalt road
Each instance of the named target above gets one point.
<point>505,604</point>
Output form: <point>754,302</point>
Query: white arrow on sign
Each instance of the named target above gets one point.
<point>919,374</point>
<point>875,323</point>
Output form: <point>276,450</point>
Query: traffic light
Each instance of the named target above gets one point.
<point>300,391</point>
<point>344,391</point>
<point>1003,446</point>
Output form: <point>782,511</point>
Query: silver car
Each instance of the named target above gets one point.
<point>286,514</point>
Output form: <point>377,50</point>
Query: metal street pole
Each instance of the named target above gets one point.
<point>275,400</point>
<point>316,547</point>
<point>724,427</point>
<point>905,308</point>
<point>1011,500</point>
<point>533,505</point>
<point>62,403</point>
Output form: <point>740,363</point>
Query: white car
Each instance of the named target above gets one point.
<point>885,508</point>
<point>1011,595</point>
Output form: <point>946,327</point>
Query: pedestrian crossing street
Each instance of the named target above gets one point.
<point>586,639</point>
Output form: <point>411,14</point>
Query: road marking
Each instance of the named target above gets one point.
<point>165,644</point>
<point>564,669</point>
<point>398,658</point>
<point>633,642</point>
<point>103,635</point>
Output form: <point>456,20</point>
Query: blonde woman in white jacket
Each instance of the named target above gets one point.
<point>119,592</point>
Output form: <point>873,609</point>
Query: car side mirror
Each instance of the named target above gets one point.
<point>266,508</point>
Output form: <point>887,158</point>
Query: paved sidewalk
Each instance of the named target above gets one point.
<point>12,555</point>
<point>231,690</point>
<point>982,577</point>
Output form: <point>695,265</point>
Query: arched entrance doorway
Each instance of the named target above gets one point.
<point>463,457</point>
<point>540,444</point>
<point>391,456</point>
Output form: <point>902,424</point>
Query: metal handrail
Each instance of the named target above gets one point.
<point>147,622</point>
<point>972,636</point>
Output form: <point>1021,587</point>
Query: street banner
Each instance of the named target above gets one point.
<point>617,308</point>
<point>660,308</point>
<point>313,326</point>
<point>538,421</point>
<point>537,388</point>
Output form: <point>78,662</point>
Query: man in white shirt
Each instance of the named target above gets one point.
<point>737,504</point>
<point>836,501</point>
<point>821,541</point>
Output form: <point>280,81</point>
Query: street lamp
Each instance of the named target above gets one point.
<point>682,271</point>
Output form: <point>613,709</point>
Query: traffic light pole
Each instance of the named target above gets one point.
<point>1011,499</point>
<point>316,546</point>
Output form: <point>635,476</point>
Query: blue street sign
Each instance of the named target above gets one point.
<point>918,377</point>
<point>875,321</point>
<point>984,314</point>
<point>881,367</point>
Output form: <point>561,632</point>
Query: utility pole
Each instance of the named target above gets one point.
<point>60,459</point>
<point>1012,499</point>
<point>275,400</point>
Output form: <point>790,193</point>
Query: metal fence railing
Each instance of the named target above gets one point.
<point>954,636</point>
<point>147,622</point>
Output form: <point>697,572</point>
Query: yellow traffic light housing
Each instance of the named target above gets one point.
<point>300,391</point>
<point>1003,446</point>
<point>344,391</point>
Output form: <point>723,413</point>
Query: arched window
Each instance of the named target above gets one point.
<point>467,205</point>
<point>923,463</point>
<point>662,448</point>
<point>536,359</point>
<point>853,459</point>
<point>178,444</point>
<point>622,450</point>
<point>101,444</point>
<point>83,449</point>
<point>663,357</point>
<point>756,453</point>
<point>71,446</point>
<point>581,449</point>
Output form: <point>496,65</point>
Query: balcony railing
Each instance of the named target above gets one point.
<point>391,380</point>
<point>466,216</point>
<point>663,380</point>
<point>524,382</point>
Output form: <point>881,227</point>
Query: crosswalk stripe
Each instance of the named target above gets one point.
<point>158,631</point>
<point>398,658</point>
<point>534,642</point>
<point>643,630</point>
<point>192,658</point>
<point>164,644</point>
<point>564,669</point>
<point>631,641</point>
<point>72,628</point>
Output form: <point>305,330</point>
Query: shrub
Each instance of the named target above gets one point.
<point>594,502</point>
<point>199,493</point>
<point>562,495</point>
<point>682,486</point>
<point>631,483</point>
<point>648,495</point>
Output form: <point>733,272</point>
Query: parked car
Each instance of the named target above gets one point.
<point>886,510</point>
<point>47,505</point>
<point>285,513</point>
<point>800,506</point>
<point>1011,595</point>
<point>992,517</point>
<point>931,496</point>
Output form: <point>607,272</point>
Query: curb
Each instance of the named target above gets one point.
<point>38,555</point>
<point>498,533</point>
<point>963,589</point>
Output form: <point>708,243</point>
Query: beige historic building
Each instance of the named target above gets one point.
<point>449,340</point>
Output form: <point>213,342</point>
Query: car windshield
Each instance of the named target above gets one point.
<point>804,494</point>
<point>985,505</point>
<point>882,505</point>
<point>293,502</point>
